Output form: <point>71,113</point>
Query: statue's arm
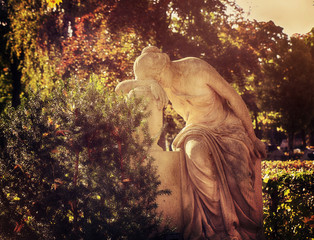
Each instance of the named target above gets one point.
<point>159,94</point>
<point>223,88</point>
<point>127,85</point>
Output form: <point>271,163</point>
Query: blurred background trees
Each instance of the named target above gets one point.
<point>44,41</point>
<point>288,84</point>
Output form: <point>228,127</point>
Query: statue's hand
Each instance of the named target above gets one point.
<point>259,148</point>
<point>159,94</point>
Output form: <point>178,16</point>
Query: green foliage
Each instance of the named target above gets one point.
<point>288,199</point>
<point>288,85</point>
<point>27,20</point>
<point>9,72</point>
<point>80,38</point>
<point>108,55</point>
<point>74,167</point>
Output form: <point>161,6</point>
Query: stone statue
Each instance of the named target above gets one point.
<point>155,109</point>
<point>220,195</point>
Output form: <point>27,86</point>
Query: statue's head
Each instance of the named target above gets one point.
<point>150,64</point>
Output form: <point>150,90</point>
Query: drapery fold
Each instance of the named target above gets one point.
<point>223,205</point>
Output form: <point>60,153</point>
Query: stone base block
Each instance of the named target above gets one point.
<point>169,171</point>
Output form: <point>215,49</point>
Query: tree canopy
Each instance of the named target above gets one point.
<point>44,41</point>
<point>289,81</point>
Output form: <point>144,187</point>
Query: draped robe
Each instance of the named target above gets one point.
<point>227,203</point>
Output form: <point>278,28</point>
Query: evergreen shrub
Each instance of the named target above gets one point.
<point>73,166</point>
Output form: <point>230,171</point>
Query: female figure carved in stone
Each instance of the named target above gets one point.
<point>221,192</point>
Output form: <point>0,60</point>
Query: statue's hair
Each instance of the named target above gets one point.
<point>151,49</point>
<point>150,63</point>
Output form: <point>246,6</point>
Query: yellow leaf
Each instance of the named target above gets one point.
<point>53,3</point>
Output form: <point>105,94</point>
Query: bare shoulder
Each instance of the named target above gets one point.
<point>191,64</point>
<point>197,69</point>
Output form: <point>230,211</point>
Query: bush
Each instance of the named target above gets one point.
<point>288,200</point>
<point>74,167</point>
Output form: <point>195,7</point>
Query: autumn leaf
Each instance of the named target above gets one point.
<point>53,3</point>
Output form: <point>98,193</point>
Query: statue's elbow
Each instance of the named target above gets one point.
<point>120,88</point>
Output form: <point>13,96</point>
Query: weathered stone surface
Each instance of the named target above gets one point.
<point>219,166</point>
<point>155,119</point>
<point>169,170</point>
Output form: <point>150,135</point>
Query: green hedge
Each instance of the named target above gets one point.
<point>288,199</point>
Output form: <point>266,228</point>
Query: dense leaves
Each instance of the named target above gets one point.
<point>290,73</point>
<point>72,168</point>
<point>288,199</point>
<point>50,39</point>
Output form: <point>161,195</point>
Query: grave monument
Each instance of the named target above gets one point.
<point>214,173</point>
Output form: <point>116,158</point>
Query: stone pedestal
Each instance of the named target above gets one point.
<point>169,170</point>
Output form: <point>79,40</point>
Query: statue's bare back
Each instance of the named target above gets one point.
<point>191,96</point>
